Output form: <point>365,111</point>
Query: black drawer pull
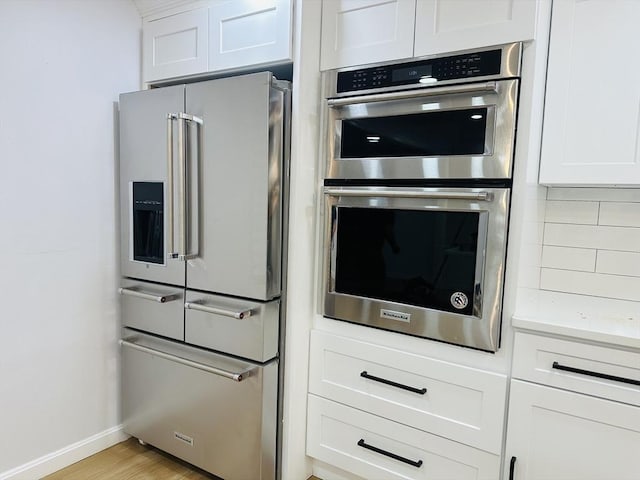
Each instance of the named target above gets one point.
<point>419,391</point>
<point>417,464</point>
<point>630,381</point>
<point>512,468</point>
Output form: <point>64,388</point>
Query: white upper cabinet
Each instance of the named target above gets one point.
<point>176,45</point>
<point>591,130</point>
<point>366,31</point>
<point>249,32</point>
<point>219,35</point>
<point>356,32</point>
<point>449,25</point>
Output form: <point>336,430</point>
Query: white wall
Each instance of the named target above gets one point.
<point>63,63</point>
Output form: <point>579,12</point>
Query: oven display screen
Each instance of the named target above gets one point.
<point>417,257</point>
<point>412,73</point>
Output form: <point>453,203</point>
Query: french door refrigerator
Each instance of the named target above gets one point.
<point>203,177</point>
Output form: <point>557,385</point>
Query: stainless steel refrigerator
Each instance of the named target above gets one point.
<point>203,177</point>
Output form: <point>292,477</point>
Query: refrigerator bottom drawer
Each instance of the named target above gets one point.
<point>183,402</point>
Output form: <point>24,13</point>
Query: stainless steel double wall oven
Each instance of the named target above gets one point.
<point>419,160</point>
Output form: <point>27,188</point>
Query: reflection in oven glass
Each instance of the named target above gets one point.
<point>415,257</point>
<point>446,132</point>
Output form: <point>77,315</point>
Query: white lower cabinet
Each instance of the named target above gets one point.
<point>555,434</point>
<point>383,414</point>
<point>379,449</point>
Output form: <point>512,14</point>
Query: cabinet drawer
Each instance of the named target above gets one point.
<point>379,449</point>
<point>594,370</point>
<point>461,403</point>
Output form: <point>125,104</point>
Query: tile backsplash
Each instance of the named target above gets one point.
<point>591,242</point>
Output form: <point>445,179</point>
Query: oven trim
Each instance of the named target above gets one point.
<point>481,330</point>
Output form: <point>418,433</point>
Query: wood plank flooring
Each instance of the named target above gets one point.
<point>131,461</point>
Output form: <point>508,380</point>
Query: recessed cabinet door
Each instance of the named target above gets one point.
<point>592,129</point>
<point>246,32</point>
<point>560,435</point>
<point>175,46</point>
<point>450,25</point>
<point>355,32</point>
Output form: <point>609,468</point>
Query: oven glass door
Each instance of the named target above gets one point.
<point>428,258</point>
<point>458,132</point>
<point>427,262</point>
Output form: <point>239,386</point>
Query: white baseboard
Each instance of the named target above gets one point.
<point>66,456</point>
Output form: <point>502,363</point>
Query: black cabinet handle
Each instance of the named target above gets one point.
<point>361,443</point>
<point>419,391</point>
<point>512,467</point>
<point>630,381</point>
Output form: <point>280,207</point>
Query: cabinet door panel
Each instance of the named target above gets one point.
<point>379,449</point>
<point>245,32</point>
<point>175,46</point>
<point>450,25</point>
<point>560,435</point>
<point>356,32</point>
<point>591,131</point>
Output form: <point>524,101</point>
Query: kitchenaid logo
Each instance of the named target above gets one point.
<point>183,438</point>
<point>393,315</point>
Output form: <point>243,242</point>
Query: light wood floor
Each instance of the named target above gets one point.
<point>131,461</point>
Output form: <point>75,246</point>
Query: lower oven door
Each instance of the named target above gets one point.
<point>213,411</point>
<point>422,261</point>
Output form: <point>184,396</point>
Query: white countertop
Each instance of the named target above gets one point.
<point>590,318</point>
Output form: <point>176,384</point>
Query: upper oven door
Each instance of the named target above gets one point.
<point>424,261</point>
<point>454,132</point>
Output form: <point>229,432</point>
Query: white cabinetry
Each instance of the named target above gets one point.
<point>592,129</point>
<point>245,32</point>
<point>176,45</point>
<point>450,25</point>
<point>356,32</point>
<point>444,416</point>
<point>555,433</point>
<point>365,31</point>
<point>216,37</point>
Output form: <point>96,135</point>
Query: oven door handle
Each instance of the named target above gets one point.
<point>427,92</point>
<point>368,192</point>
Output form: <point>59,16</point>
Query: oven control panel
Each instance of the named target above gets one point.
<point>430,71</point>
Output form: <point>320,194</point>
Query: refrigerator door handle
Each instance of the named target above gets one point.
<point>239,313</point>
<point>170,213</point>
<point>148,296</point>
<point>236,376</point>
<point>183,185</point>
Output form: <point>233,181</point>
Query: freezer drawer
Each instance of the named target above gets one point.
<point>210,410</point>
<point>153,308</point>
<point>244,328</point>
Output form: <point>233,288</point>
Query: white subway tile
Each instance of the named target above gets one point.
<point>618,263</point>
<point>582,259</point>
<point>595,194</point>
<point>595,284</point>
<point>585,213</point>
<point>620,214</point>
<point>587,236</point>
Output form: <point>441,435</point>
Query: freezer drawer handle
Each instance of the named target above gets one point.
<point>427,92</point>
<point>239,314</point>
<point>361,443</point>
<point>148,296</point>
<point>605,376</point>
<point>369,192</point>
<point>419,391</point>
<point>237,376</point>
